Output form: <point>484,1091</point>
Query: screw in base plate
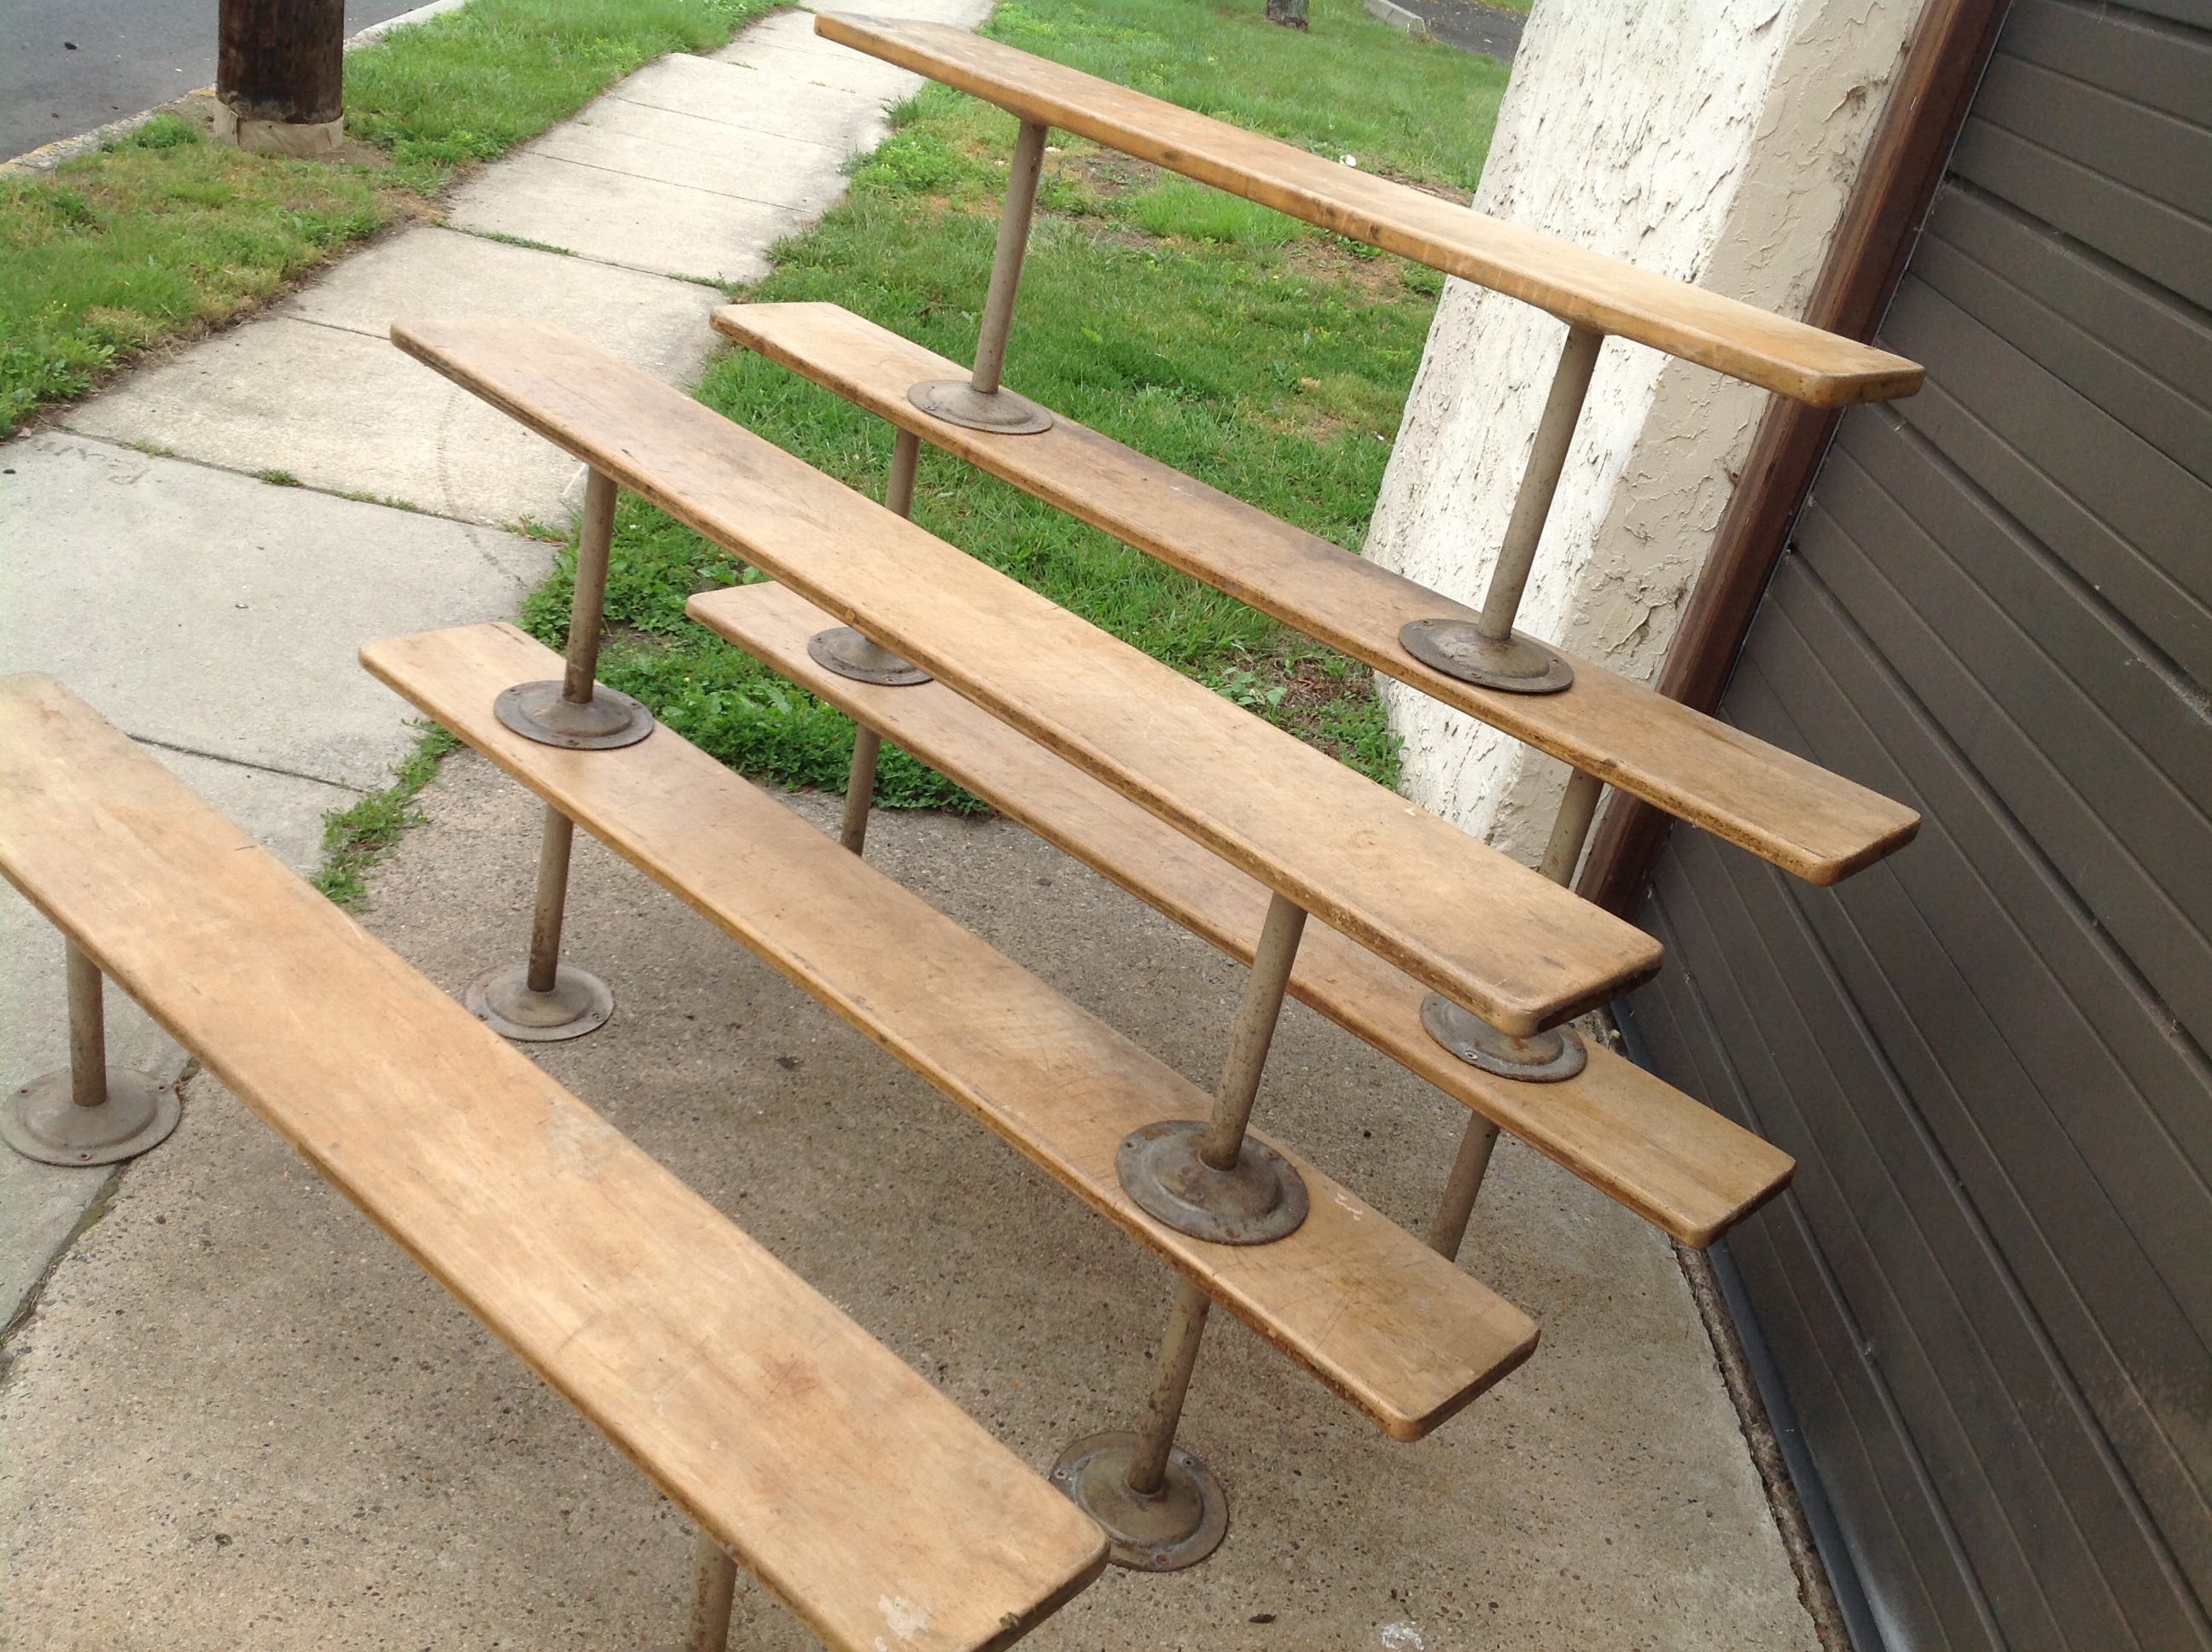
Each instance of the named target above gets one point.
<point>1178,1526</point>
<point>1546,1058</point>
<point>501,998</point>
<point>536,711</point>
<point>1519,665</point>
<point>1261,1199</point>
<point>1002,413</point>
<point>42,1119</point>
<point>845,651</point>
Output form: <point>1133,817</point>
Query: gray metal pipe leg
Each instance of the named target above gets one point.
<point>1547,1058</point>
<point>861,788</point>
<point>1457,1209</point>
<point>1208,1179</point>
<point>1253,1034</point>
<point>87,1112</point>
<point>1148,1464</point>
<point>846,650</point>
<point>1023,175</point>
<point>714,1589</point>
<point>1162,1509</point>
<point>87,1016</point>
<point>978,401</point>
<point>542,999</point>
<point>1487,650</point>
<point>551,909</point>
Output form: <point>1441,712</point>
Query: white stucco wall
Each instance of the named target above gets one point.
<point>1714,140</point>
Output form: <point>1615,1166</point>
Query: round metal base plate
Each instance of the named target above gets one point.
<point>501,998</point>
<point>1546,1059</point>
<point>1522,666</point>
<point>1178,1526</point>
<point>1262,1200</point>
<point>1002,413</point>
<point>845,651</point>
<point>40,1120</point>
<point>536,711</point>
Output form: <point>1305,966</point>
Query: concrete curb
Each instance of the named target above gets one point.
<point>1397,17</point>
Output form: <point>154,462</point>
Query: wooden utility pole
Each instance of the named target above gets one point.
<point>279,75</point>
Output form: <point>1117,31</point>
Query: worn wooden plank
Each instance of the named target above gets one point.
<point>1679,1165</point>
<point>866,1501</point>
<point>1578,286</point>
<point>1814,825</point>
<point>1466,920</point>
<point>1395,1329</point>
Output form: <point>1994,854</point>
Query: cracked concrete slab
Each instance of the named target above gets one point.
<point>317,389</point>
<point>213,613</point>
<point>622,218</point>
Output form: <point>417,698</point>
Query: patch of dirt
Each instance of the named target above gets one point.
<point>199,108</point>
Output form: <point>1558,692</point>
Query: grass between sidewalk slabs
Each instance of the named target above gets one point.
<point>163,233</point>
<point>1263,356</point>
<point>355,839</point>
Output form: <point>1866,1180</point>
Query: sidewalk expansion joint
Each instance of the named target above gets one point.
<point>247,763</point>
<point>697,189</point>
<point>717,120</point>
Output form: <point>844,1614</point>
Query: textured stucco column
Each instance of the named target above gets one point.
<point>1711,140</point>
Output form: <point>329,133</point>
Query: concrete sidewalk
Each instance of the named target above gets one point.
<point>216,616</point>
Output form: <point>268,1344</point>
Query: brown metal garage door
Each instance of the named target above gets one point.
<point>1989,1296</point>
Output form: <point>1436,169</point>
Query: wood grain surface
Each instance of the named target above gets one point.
<point>868,1502</point>
<point>1817,825</point>
<point>1394,1328</point>
<point>1583,288</point>
<point>1677,1164</point>
<point>1455,915</point>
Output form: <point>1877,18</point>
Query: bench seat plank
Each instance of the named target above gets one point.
<point>1576,285</point>
<point>1817,825</point>
<point>1677,1164</point>
<point>866,1501</point>
<point>1457,915</point>
<point>1395,1329</point>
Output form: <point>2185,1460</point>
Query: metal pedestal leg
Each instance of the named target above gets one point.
<point>1162,1507</point>
<point>87,1112</point>
<point>1205,1178</point>
<point>845,651</point>
<point>978,402</point>
<point>575,711</point>
<point>714,1588</point>
<point>1546,1058</point>
<point>544,1000</point>
<point>1488,650</point>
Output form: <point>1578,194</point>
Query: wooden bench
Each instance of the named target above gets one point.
<point>1389,1326</point>
<point>1816,825</point>
<point>1583,288</point>
<point>865,1501</point>
<point>1463,920</point>
<point>1677,1164</point>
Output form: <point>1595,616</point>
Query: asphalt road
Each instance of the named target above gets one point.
<point>67,66</point>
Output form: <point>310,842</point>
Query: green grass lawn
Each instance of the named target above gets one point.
<point>1262,356</point>
<point>163,233</point>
